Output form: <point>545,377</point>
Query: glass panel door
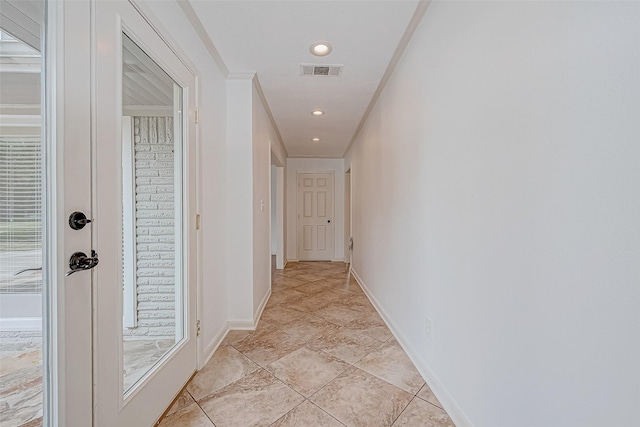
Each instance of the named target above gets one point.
<point>144,207</point>
<point>22,210</point>
<point>152,212</point>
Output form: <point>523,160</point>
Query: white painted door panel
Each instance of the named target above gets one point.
<point>137,75</point>
<point>315,216</point>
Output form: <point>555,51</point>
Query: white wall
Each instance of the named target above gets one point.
<point>265,140</point>
<point>212,138</point>
<point>295,165</point>
<point>496,190</point>
<point>240,203</point>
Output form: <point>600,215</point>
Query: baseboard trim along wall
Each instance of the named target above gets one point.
<point>213,346</point>
<point>263,304</point>
<point>454,411</point>
<point>242,325</point>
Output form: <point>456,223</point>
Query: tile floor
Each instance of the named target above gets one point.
<point>21,376</point>
<point>321,356</point>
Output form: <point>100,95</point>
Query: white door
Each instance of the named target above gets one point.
<point>144,228</point>
<point>315,216</point>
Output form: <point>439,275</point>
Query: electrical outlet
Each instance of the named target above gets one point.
<point>428,327</point>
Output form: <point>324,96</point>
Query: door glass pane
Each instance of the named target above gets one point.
<point>152,207</point>
<point>21,215</point>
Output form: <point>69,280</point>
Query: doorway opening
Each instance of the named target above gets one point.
<point>277,213</point>
<point>347,217</point>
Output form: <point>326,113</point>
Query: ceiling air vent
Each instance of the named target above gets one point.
<point>320,70</point>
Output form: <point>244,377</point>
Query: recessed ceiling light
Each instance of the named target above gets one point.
<point>317,113</point>
<point>320,48</point>
<point>315,139</point>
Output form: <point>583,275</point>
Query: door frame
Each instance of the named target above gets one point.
<point>333,208</point>
<point>68,326</point>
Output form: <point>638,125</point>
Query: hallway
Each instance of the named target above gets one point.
<point>321,356</point>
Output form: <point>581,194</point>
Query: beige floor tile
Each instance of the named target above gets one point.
<point>338,314</point>
<point>390,363</point>
<point>355,302</point>
<point>307,370</point>
<point>336,282</point>
<point>226,366</point>
<point>425,393</point>
<point>236,336</point>
<point>307,415</point>
<point>358,399</point>
<point>345,344</point>
<point>189,416</point>
<point>372,326</point>
<point>312,288</point>
<point>284,297</point>
<point>258,399</point>
<point>308,327</point>
<point>235,391</point>
<point>309,276</point>
<point>284,282</point>
<point>268,347</point>
<point>278,315</point>
<point>314,302</point>
<point>183,400</point>
<point>422,414</point>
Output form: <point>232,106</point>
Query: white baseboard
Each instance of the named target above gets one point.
<point>241,325</point>
<point>250,325</point>
<point>213,346</point>
<point>452,408</point>
<point>263,304</point>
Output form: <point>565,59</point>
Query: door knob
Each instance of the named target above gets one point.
<point>79,261</point>
<point>328,221</point>
<point>78,220</point>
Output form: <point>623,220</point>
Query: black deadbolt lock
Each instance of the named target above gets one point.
<point>78,220</point>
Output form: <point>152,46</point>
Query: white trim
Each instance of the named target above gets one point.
<point>250,325</point>
<point>258,314</point>
<point>147,14</point>
<point>199,239</point>
<point>213,346</point>
<point>129,256</point>
<point>449,405</point>
<point>258,87</point>
<point>191,15</point>
<point>421,9</point>
<point>182,246</point>
<point>242,325</point>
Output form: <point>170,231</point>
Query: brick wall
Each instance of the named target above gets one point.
<point>155,227</point>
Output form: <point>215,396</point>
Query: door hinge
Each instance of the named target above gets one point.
<point>197,221</point>
<point>197,116</point>
<point>198,328</point>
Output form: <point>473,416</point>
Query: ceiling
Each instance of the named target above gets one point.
<point>272,38</point>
